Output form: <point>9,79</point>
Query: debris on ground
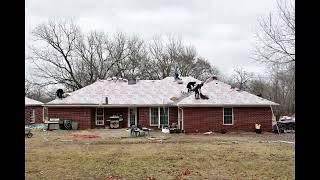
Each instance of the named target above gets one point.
<point>184,173</point>
<point>84,136</point>
<point>66,140</point>
<point>187,171</point>
<point>150,178</point>
<point>161,138</point>
<point>113,178</point>
<point>288,142</point>
<point>208,133</point>
<point>37,126</point>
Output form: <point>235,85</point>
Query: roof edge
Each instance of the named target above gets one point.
<point>226,105</point>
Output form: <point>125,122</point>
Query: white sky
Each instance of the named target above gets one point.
<point>221,30</point>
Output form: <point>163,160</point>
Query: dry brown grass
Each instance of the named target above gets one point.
<point>55,155</point>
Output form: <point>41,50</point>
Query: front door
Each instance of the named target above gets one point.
<point>132,118</point>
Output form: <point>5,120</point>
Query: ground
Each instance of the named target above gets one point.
<point>115,155</point>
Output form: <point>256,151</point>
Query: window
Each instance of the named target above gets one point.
<point>99,116</point>
<point>163,116</point>
<point>154,116</point>
<point>227,116</point>
<point>159,116</point>
<point>33,116</point>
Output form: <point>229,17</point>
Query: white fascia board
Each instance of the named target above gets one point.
<point>224,105</point>
<point>109,105</point>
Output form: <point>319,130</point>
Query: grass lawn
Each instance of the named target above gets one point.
<point>56,155</point>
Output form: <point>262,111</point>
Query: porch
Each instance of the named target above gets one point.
<point>150,117</point>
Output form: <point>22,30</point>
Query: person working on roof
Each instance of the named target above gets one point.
<point>190,85</point>
<point>197,90</point>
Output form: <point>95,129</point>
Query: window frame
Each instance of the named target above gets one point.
<point>159,116</point>
<point>96,120</point>
<point>232,116</point>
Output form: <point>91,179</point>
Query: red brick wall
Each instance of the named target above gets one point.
<point>204,119</point>
<point>82,115</point>
<point>143,116</point>
<point>38,114</point>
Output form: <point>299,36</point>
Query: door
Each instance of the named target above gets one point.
<point>132,117</point>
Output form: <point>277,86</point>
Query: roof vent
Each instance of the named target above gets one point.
<point>132,81</point>
<point>214,77</point>
<point>106,100</point>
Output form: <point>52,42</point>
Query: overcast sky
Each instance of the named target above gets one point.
<point>221,30</point>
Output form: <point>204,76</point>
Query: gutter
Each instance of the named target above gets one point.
<point>226,105</point>
<point>107,105</point>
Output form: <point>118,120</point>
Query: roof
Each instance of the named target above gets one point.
<point>32,102</point>
<point>155,93</point>
<point>221,94</point>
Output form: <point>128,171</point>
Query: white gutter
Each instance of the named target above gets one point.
<point>107,105</point>
<point>33,105</point>
<point>182,126</point>
<point>226,105</point>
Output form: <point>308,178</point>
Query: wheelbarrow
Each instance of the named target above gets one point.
<point>28,133</point>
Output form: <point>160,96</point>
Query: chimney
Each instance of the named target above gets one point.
<point>106,100</point>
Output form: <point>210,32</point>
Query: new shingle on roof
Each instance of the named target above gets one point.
<point>220,93</point>
<point>156,92</point>
<point>32,102</point>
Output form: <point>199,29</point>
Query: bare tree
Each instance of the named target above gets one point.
<point>241,78</point>
<point>203,69</point>
<point>276,39</point>
<point>160,58</point>
<point>68,57</point>
<point>276,47</point>
<point>55,60</point>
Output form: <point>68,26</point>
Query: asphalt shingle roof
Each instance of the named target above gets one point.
<point>32,102</point>
<point>157,92</point>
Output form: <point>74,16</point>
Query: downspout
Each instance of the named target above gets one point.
<point>274,120</point>
<point>182,125</point>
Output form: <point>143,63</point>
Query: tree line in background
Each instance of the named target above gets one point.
<point>75,59</point>
<point>69,57</point>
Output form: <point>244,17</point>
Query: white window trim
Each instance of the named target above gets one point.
<point>158,116</point>
<point>33,116</point>
<point>102,117</point>
<point>231,118</point>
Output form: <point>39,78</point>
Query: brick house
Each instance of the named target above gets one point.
<point>157,103</point>
<point>33,111</point>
